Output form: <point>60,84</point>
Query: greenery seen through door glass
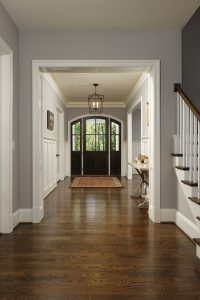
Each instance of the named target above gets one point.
<point>76,143</point>
<point>76,128</point>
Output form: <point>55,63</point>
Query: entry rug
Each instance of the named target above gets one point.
<point>96,182</point>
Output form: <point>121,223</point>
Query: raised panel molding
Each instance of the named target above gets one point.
<point>50,170</point>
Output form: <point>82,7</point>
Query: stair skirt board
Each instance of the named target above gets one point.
<point>172,215</point>
<point>22,216</point>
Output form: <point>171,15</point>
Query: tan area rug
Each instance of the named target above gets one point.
<point>96,182</point>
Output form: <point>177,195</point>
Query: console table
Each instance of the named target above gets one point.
<point>143,170</point>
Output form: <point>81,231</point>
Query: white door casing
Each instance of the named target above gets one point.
<point>6,136</point>
<point>38,210</point>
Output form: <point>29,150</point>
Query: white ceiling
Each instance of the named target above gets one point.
<point>114,86</point>
<point>100,14</point>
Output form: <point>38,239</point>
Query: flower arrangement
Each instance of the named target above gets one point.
<point>143,159</point>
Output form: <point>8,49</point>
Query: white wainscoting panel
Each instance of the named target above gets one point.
<point>50,166</point>
<point>136,149</point>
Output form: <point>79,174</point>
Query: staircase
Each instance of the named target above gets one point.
<point>186,155</point>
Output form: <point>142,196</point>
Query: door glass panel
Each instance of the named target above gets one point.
<point>100,143</point>
<point>90,126</point>
<point>76,144</point>
<point>114,128</point>
<point>76,128</point>
<point>100,126</point>
<point>90,142</point>
<point>115,143</point>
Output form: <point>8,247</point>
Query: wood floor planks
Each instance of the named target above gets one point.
<point>97,244</point>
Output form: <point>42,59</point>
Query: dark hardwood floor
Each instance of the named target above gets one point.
<point>97,244</point>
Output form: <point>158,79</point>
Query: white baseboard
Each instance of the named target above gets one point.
<point>198,251</point>
<point>187,226</point>
<point>48,190</point>
<point>168,215</point>
<point>37,214</point>
<point>22,216</point>
<point>16,218</point>
<point>172,215</point>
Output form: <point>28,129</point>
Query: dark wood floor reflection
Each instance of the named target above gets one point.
<point>97,244</point>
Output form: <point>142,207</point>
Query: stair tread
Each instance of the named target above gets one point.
<point>198,218</point>
<point>182,168</point>
<point>177,154</point>
<point>195,199</point>
<point>190,183</point>
<point>197,241</point>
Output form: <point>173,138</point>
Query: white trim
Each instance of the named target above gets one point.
<point>186,225</point>
<point>50,189</point>
<point>22,216</point>
<point>85,104</point>
<point>197,251</point>
<point>168,215</point>
<point>68,154</point>
<point>136,87</point>
<point>129,145</point>
<point>37,140</point>
<point>6,136</point>
<point>37,159</point>
<point>62,142</point>
<point>154,156</point>
<point>49,78</point>
<point>16,218</point>
<point>172,215</point>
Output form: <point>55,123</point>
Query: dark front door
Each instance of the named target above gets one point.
<point>76,147</point>
<point>95,146</point>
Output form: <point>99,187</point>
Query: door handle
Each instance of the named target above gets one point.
<point>57,155</point>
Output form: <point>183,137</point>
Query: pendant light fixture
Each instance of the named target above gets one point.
<point>95,101</point>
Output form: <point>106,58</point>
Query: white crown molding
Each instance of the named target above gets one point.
<point>85,104</point>
<point>136,87</point>
<point>55,87</point>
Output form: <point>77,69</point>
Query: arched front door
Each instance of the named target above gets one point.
<point>96,146</point>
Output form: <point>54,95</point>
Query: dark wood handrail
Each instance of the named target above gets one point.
<point>194,109</point>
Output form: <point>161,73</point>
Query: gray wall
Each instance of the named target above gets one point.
<point>191,58</point>
<point>108,44</point>
<point>136,130</point>
<point>9,32</point>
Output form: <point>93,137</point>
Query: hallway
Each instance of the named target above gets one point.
<point>97,244</point>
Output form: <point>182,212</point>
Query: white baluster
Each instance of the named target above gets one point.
<point>191,144</point>
<point>187,138</point>
<point>184,134</point>
<point>198,159</point>
<point>178,115</point>
<point>181,125</point>
<point>195,159</point>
